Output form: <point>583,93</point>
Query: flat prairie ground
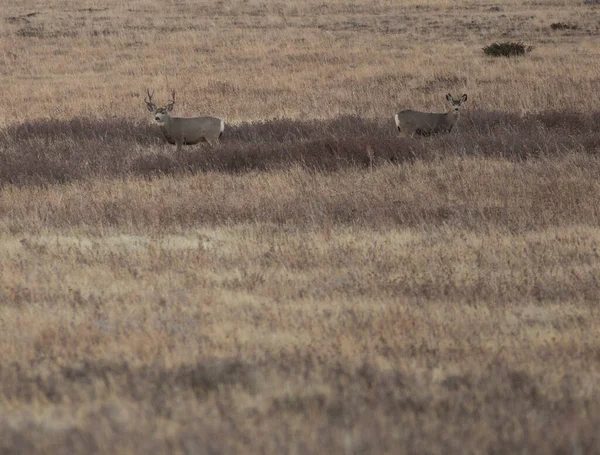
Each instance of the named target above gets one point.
<point>315,283</point>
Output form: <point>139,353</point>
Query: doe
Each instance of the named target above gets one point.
<point>427,123</point>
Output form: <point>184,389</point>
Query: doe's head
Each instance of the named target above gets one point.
<point>455,103</point>
<point>160,113</point>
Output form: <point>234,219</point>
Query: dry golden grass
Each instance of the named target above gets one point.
<point>253,60</point>
<point>301,311</point>
<point>465,194</point>
<point>443,303</point>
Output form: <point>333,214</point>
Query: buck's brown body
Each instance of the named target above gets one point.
<point>185,131</point>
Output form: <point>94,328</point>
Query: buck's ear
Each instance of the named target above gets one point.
<point>151,107</point>
<point>464,98</point>
<point>449,97</point>
<point>170,107</point>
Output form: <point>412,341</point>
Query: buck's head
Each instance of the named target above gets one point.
<point>161,114</point>
<point>456,103</point>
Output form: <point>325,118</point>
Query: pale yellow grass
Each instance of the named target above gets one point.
<point>260,265</point>
<point>346,293</point>
<point>465,193</point>
<point>255,60</point>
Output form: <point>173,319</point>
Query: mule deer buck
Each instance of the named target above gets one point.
<point>427,123</point>
<point>185,131</point>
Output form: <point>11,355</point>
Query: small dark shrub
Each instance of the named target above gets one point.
<point>563,26</point>
<point>506,49</point>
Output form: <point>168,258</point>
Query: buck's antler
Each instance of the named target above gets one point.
<point>172,103</point>
<point>149,96</point>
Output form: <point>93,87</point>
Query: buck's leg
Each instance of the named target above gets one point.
<point>212,141</point>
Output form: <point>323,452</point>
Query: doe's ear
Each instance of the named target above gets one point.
<point>449,97</point>
<point>464,97</point>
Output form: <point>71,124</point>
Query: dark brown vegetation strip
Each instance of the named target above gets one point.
<point>505,407</point>
<point>41,152</point>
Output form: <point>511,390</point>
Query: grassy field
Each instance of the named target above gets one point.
<point>315,283</point>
